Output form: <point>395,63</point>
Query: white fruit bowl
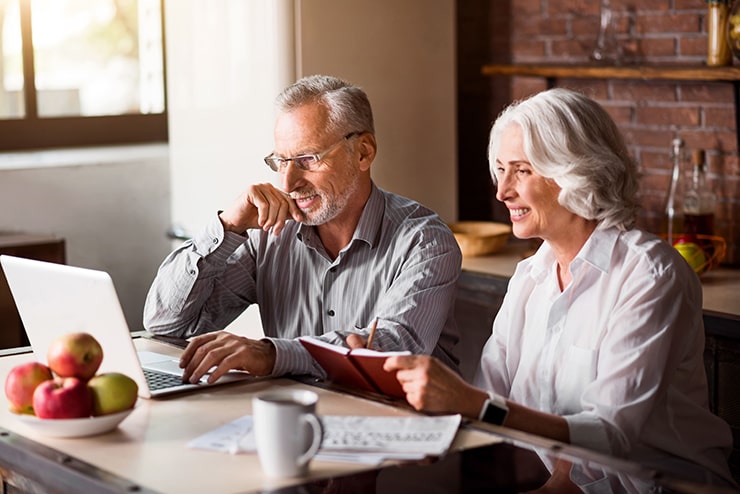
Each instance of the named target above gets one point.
<point>89,426</point>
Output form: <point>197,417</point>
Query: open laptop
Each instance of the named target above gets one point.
<point>55,299</point>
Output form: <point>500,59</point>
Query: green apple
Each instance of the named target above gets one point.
<point>693,254</point>
<point>112,392</point>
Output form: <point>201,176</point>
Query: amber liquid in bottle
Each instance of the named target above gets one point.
<point>699,204</point>
<point>701,224</point>
<point>673,221</point>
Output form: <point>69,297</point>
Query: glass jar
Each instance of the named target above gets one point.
<point>718,50</point>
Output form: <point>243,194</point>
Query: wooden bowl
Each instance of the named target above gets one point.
<point>480,238</point>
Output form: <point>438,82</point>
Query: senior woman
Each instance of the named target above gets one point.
<point>599,340</point>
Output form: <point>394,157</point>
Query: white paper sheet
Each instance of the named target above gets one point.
<point>356,439</point>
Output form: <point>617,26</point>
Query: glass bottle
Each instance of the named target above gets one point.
<point>673,207</point>
<point>607,48</point>
<point>718,49</point>
<point>699,199</point>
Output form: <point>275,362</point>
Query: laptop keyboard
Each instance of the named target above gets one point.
<point>160,380</point>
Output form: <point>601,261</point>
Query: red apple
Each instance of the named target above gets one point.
<point>75,355</point>
<point>112,392</point>
<point>21,382</point>
<point>63,398</point>
<point>685,238</point>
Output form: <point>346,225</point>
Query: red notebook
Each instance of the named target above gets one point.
<point>359,367</point>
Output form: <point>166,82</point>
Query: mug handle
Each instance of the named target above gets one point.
<point>317,432</point>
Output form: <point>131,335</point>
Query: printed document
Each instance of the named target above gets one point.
<point>356,439</point>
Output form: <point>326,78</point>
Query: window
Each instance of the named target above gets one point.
<point>81,72</point>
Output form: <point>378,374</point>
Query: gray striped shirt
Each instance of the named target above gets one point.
<point>401,265</point>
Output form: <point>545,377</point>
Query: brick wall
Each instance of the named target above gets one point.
<point>650,113</point>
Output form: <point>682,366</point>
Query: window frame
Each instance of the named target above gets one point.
<point>32,132</point>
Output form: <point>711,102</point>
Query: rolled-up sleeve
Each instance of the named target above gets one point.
<point>194,292</point>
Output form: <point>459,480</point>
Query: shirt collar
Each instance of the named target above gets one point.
<point>368,228</point>
<point>599,248</point>
<point>597,251</point>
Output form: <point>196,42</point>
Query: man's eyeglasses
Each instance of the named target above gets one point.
<point>305,162</point>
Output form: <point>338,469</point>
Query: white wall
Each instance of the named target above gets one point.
<point>227,60</point>
<point>403,54</point>
<point>111,205</point>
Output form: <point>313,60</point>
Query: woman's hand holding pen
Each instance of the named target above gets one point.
<point>355,340</point>
<point>431,386</point>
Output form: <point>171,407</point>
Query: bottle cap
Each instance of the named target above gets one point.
<point>697,156</point>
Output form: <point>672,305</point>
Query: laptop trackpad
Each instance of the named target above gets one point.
<point>160,362</point>
<point>164,363</point>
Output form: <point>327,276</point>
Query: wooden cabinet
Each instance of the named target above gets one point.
<point>722,361</point>
<point>40,247</point>
<point>479,297</point>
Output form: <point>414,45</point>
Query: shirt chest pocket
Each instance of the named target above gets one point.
<point>576,370</point>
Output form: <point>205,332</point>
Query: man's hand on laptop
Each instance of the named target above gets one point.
<point>224,351</point>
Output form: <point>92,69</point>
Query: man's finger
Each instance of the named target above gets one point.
<point>193,346</point>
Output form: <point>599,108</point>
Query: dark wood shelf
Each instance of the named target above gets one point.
<point>593,71</point>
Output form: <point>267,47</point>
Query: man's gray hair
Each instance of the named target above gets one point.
<point>348,105</point>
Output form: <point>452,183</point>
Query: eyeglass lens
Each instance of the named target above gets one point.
<point>305,162</point>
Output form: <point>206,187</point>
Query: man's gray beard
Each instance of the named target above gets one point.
<point>323,215</point>
<point>331,210</point>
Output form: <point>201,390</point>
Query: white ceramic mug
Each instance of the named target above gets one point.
<point>287,431</point>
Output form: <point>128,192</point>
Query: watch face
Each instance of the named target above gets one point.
<point>494,414</point>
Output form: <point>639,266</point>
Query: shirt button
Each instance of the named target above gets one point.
<point>331,312</point>
<point>192,271</point>
<point>215,240</point>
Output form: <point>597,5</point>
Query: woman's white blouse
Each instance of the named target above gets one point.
<point>618,353</point>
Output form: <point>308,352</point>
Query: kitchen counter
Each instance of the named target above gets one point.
<point>721,286</point>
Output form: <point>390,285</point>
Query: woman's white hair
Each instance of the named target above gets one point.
<point>572,140</point>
